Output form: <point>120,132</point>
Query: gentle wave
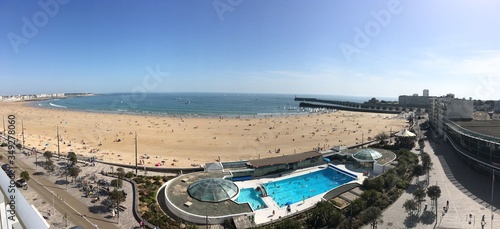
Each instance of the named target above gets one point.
<point>54,105</point>
<point>189,104</point>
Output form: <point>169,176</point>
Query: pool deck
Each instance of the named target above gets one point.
<point>264,216</point>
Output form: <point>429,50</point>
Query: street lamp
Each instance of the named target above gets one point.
<point>362,138</point>
<point>22,131</point>
<point>117,208</point>
<point>66,172</point>
<point>390,135</point>
<point>36,158</point>
<point>492,191</point>
<point>206,217</point>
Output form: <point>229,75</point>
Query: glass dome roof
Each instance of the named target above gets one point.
<point>212,190</point>
<point>367,155</point>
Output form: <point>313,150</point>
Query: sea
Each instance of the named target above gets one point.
<point>192,104</point>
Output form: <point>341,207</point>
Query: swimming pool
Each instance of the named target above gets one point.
<point>299,188</point>
<point>252,197</point>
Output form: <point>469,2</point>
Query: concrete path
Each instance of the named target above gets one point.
<point>64,202</point>
<point>42,189</point>
<point>468,193</point>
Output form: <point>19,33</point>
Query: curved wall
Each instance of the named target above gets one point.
<point>198,219</point>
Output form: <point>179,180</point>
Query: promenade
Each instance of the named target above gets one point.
<point>468,193</point>
<point>48,194</point>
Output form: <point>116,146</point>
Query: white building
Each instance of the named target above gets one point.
<point>497,106</point>
<point>448,108</point>
<point>426,92</point>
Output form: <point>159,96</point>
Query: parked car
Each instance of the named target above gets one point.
<point>21,183</point>
<point>11,173</point>
<point>5,167</point>
<point>103,182</point>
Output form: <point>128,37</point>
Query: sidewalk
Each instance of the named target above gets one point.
<point>71,201</point>
<point>467,191</point>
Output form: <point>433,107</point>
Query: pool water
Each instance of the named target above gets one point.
<point>295,189</point>
<point>252,197</point>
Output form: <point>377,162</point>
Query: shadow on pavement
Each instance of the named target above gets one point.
<point>475,185</point>
<point>99,209</point>
<point>411,221</point>
<point>61,182</point>
<point>428,217</point>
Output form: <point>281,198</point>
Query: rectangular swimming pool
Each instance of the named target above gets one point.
<point>295,189</point>
<point>252,197</point>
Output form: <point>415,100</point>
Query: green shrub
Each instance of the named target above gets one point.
<point>116,183</point>
<point>156,178</point>
<point>403,184</point>
<point>129,174</point>
<point>139,179</point>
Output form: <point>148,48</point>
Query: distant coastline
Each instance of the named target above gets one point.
<point>41,97</point>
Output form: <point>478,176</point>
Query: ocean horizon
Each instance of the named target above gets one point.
<point>191,103</point>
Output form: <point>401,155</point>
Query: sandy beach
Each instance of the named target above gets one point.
<point>191,141</point>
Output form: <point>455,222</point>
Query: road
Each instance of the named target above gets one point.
<point>77,212</point>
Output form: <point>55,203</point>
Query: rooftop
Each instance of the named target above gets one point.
<point>213,190</point>
<point>178,195</point>
<point>387,155</point>
<point>285,159</point>
<point>367,155</point>
<point>482,127</point>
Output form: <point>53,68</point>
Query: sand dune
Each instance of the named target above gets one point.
<point>188,141</point>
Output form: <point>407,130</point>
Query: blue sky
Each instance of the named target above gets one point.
<point>365,48</point>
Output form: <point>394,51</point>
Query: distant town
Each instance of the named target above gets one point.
<point>17,98</point>
<point>414,102</point>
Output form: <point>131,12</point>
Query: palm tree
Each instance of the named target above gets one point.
<point>324,214</point>
<point>419,196</point>
<point>117,197</point>
<point>26,176</point>
<point>411,207</point>
<point>381,137</point>
<point>73,172</point>
<point>72,158</point>
<point>434,192</point>
<point>418,171</point>
<point>426,163</point>
<point>47,155</point>
<point>50,165</point>
<point>373,214</point>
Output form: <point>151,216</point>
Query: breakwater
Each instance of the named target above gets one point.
<point>350,106</point>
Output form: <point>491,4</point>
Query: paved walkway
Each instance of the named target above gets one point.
<point>468,193</point>
<point>48,192</point>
